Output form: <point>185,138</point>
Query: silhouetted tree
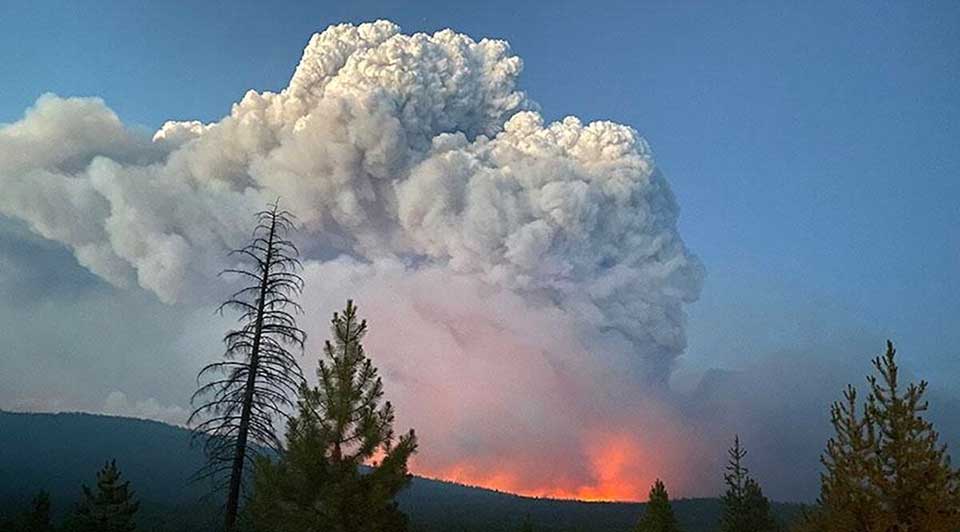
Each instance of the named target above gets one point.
<point>658,515</point>
<point>37,519</point>
<point>318,484</point>
<point>847,492</point>
<point>885,470</point>
<point>252,386</point>
<point>745,509</point>
<point>110,507</point>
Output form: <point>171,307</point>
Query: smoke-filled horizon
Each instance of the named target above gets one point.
<point>525,281</point>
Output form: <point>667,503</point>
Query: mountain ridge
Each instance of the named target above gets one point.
<point>60,451</point>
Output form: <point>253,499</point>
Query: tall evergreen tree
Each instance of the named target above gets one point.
<point>246,392</point>
<point>318,482</point>
<point>745,509</point>
<point>848,492</point>
<point>885,470</point>
<point>110,507</point>
<point>658,515</point>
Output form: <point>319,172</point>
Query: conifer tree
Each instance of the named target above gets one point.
<point>37,519</point>
<point>658,515</point>
<point>110,507</point>
<point>848,492</point>
<point>253,386</point>
<point>341,426</point>
<point>885,470</point>
<point>745,509</point>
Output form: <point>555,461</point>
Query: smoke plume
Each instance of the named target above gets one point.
<point>525,281</point>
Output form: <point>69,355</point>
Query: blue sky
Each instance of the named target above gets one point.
<point>813,150</point>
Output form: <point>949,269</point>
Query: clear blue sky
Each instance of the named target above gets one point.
<point>814,151</point>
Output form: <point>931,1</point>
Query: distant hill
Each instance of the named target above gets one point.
<point>59,452</point>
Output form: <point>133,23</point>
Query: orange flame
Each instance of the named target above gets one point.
<point>619,472</point>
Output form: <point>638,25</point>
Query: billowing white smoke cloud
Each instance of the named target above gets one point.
<point>415,155</point>
<point>385,145</point>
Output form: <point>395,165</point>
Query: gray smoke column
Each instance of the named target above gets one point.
<point>414,164</point>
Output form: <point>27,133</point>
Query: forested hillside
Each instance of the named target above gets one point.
<point>59,452</point>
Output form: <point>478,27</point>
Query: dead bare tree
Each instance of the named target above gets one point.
<point>252,386</point>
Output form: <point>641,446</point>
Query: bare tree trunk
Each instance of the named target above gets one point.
<point>236,473</point>
<point>245,393</point>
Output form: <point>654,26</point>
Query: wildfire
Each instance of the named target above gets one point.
<point>617,463</point>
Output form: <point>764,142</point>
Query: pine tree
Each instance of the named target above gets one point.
<point>757,506</point>
<point>745,509</point>
<point>851,464</point>
<point>658,516</point>
<point>914,474</point>
<point>318,482</point>
<point>37,519</point>
<point>252,387</point>
<point>110,507</point>
<point>885,470</point>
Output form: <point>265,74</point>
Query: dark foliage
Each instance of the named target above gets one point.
<point>38,518</point>
<point>885,469</point>
<point>109,507</point>
<point>56,451</point>
<point>527,525</point>
<point>658,515</point>
<point>745,509</point>
<point>318,484</point>
<point>243,394</point>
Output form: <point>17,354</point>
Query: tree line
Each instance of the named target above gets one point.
<point>108,507</point>
<point>340,465</point>
<point>884,470</point>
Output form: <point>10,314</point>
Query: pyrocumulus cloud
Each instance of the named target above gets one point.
<point>521,277</point>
